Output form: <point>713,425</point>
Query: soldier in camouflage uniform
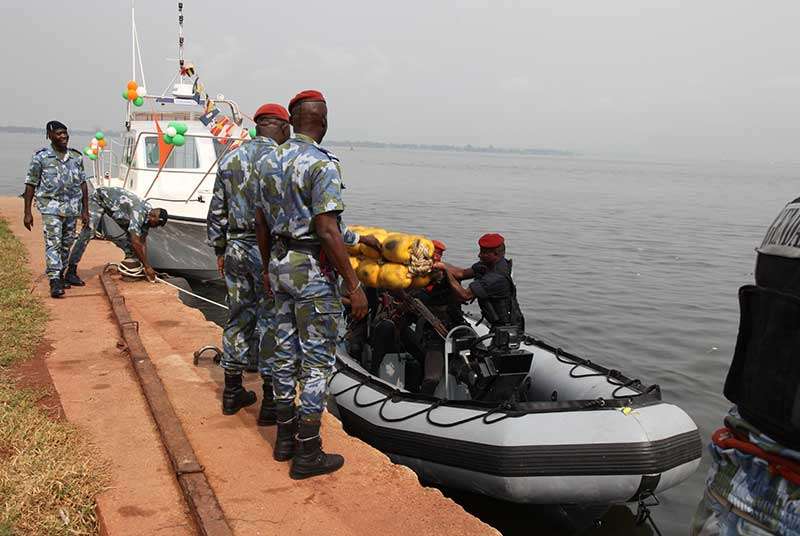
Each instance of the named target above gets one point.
<point>231,231</point>
<point>300,199</point>
<point>133,215</point>
<point>57,180</point>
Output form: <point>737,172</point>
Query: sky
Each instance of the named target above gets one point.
<point>707,79</point>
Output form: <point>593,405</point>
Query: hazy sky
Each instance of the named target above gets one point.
<point>717,79</point>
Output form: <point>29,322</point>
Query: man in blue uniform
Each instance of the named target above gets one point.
<point>492,285</point>
<point>57,180</point>
<point>231,231</point>
<point>300,201</point>
<point>134,216</point>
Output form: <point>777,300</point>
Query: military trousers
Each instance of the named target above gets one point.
<point>303,331</point>
<point>88,232</point>
<point>249,309</point>
<point>59,235</point>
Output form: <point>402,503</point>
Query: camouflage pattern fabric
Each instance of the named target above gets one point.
<point>231,213</point>
<point>124,207</point>
<point>298,181</point>
<point>249,309</point>
<point>57,181</point>
<point>302,334</point>
<point>744,496</point>
<point>59,234</point>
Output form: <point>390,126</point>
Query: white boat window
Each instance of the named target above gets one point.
<point>183,157</point>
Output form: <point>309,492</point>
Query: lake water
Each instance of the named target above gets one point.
<point>633,264</point>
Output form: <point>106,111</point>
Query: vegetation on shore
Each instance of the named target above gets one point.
<point>49,474</point>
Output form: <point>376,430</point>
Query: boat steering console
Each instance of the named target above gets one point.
<point>493,367</point>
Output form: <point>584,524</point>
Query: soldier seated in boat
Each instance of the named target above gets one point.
<point>133,215</point>
<point>492,284</point>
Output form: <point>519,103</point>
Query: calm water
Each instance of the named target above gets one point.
<point>635,265</point>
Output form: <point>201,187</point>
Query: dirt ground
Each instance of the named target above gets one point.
<point>93,380</point>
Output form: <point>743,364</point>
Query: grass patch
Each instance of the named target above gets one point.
<point>49,475</point>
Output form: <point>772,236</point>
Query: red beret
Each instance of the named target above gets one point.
<point>439,245</point>
<point>275,110</point>
<point>491,240</point>
<point>307,95</point>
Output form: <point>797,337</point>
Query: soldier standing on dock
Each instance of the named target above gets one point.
<point>300,199</point>
<point>231,231</point>
<point>57,180</point>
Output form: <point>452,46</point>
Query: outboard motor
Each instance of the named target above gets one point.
<point>764,377</point>
<point>497,372</point>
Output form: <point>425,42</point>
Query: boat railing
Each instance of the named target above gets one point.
<point>135,114</point>
<point>228,142</point>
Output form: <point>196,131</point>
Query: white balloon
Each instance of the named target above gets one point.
<point>94,142</point>
<point>171,131</point>
<point>141,91</point>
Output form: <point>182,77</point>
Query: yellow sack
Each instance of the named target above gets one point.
<point>367,272</point>
<point>394,276</point>
<point>421,281</point>
<point>354,262</point>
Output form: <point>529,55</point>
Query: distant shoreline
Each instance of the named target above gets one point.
<point>360,144</point>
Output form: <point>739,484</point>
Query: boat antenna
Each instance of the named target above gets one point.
<point>181,63</point>
<point>136,50</point>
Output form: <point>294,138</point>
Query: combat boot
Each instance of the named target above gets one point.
<point>266,417</point>
<point>287,427</point>
<point>310,460</point>
<point>64,282</point>
<point>235,397</point>
<point>71,277</point>
<point>56,288</point>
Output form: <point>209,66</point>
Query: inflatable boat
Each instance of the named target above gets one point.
<point>520,420</point>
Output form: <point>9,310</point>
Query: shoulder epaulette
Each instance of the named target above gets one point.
<point>75,151</point>
<point>43,149</point>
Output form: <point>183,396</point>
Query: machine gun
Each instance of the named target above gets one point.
<point>415,305</point>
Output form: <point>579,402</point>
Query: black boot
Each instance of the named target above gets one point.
<point>235,397</point>
<point>310,460</point>
<point>56,288</point>
<point>64,282</point>
<point>287,427</point>
<point>71,277</point>
<point>266,417</point>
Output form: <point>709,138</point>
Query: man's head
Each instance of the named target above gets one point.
<point>309,114</point>
<point>272,121</point>
<point>57,134</point>
<point>157,217</point>
<point>493,248</point>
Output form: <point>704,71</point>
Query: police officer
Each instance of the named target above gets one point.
<point>492,285</point>
<point>300,196</point>
<point>231,231</point>
<point>134,216</point>
<point>57,180</point>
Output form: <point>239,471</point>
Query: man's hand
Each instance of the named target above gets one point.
<point>358,303</point>
<point>85,218</point>
<point>371,241</point>
<point>439,266</point>
<point>27,221</point>
<point>150,273</point>
<point>221,265</point>
<point>267,287</point>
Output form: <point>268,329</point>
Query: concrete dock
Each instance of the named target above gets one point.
<point>99,393</point>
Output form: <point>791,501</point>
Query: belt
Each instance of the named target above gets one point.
<point>282,245</point>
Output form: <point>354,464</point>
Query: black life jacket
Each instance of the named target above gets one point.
<point>504,311</point>
<point>764,376</point>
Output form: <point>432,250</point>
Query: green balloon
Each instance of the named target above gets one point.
<point>181,128</point>
<point>252,132</point>
<point>168,139</point>
<point>92,156</point>
<point>99,135</point>
<point>125,94</point>
<point>138,101</point>
<point>178,140</point>
<point>87,151</point>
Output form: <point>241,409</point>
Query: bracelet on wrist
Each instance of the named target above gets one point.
<point>350,292</point>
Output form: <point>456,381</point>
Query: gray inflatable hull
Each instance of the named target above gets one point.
<point>599,443</point>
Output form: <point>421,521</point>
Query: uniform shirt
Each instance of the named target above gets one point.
<point>57,181</point>
<point>297,181</point>
<point>232,211</point>
<point>491,282</point>
<point>125,208</point>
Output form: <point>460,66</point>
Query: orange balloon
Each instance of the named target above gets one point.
<point>133,85</point>
<point>101,143</point>
<point>131,94</point>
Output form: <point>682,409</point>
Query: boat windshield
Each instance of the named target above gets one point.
<point>183,157</point>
